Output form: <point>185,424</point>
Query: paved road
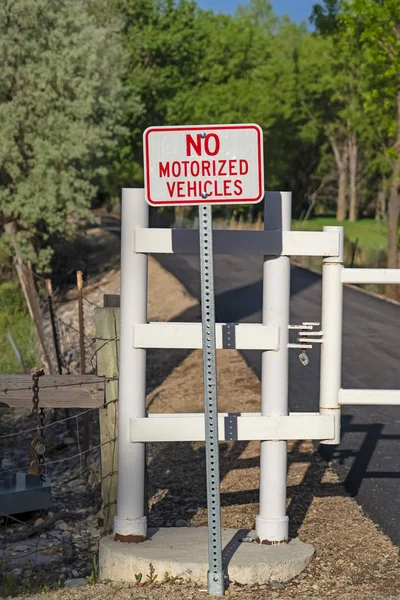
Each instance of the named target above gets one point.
<point>368,458</point>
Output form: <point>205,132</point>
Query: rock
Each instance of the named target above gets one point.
<point>38,522</point>
<point>17,572</point>
<point>21,548</point>
<point>181,523</point>
<point>50,552</point>
<point>248,539</point>
<point>75,573</point>
<point>75,483</point>
<point>274,595</point>
<point>56,533</point>
<point>276,585</point>
<point>61,525</point>
<point>68,547</point>
<point>75,583</point>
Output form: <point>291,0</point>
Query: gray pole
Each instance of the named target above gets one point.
<point>215,569</point>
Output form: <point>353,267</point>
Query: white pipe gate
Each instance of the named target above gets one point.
<point>274,425</point>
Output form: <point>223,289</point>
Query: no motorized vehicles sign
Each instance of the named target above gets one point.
<point>203,164</point>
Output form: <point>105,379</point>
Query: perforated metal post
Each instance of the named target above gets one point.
<point>215,571</point>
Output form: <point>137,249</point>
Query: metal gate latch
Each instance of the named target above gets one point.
<point>306,338</point>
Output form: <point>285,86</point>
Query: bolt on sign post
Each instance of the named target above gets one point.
<point>205,165</point>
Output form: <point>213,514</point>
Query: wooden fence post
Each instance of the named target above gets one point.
<point>31,296</point>
<point>107,346</point>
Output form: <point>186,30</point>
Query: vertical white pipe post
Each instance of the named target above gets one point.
<point>130,523</point>
<point>272,524</point>
<point>332,326</point>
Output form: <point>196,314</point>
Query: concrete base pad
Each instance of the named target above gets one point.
<point>184,552</point>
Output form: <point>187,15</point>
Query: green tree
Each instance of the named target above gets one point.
<point>376,24</point>
<point>164,43</point>
<point>59,111</point>
<point>341,89</point>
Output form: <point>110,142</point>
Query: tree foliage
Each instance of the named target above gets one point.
<point>81,80</point>
<point>59,104</point>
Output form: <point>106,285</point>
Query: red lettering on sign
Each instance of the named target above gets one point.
<point>238,187</point>
<point>181,193</point>
<point>243,166</point>
<point>196,145</point>
<point>195,168</point>
<point>221,171</point>
<point>206,184</point>
<point>185,164</point>
<point>227,186</point>
<point>205,165</point>
<point>171,188</point>
<point>216,144</point>
<point>164,169</point>
<point>232,164</point>
<point>176,168</point>
<point>211,144</point>
<point>191,188</point>
<point>216,193</point>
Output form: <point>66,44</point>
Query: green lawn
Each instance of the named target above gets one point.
<point>15,319</point>
<point>371,234</point>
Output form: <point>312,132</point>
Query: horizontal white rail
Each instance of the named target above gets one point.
<point>242,336</point>
<point>365,397</point>
<point>233,426</point>
<point>302,346</point>
<point>371,276</point>
<point>265,243</point>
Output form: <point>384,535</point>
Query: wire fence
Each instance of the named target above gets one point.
<point>79,463</point>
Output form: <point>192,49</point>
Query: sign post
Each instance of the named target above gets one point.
<point>206,165</point>
<point>215,566</point>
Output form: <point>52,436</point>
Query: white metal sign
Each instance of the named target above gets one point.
<point>203,164</point>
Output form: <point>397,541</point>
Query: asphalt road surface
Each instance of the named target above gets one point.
<point>368,458</point>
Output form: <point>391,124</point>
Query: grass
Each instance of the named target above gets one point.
<point>15,318</point>
<point>371,234</point>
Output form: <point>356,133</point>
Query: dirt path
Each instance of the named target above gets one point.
<point>354,561</point>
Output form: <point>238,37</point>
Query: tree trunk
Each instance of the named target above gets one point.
<point>341,162</point>
<point>380,209</point>
<point>394,209</point>
<point>341,211</point>
<point>353,177</point>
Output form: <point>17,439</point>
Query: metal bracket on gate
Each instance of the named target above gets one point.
<point>306,338</point>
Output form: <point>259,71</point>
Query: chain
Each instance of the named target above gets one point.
<point>38,447</point>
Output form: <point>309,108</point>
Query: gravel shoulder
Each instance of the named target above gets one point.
<point>354,559</point>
